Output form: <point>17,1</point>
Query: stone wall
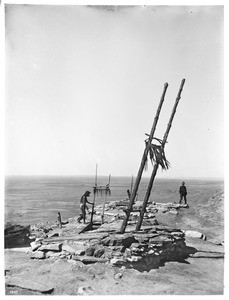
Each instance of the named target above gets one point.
<point>142,250</point>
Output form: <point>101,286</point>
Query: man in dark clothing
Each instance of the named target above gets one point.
<point>83,206</point>
<point>59,220</point>
<point>128,193</point>
<point>183,193</point>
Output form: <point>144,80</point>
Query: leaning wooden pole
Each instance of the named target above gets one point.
<point>154,172</point>
<point>143,161</point>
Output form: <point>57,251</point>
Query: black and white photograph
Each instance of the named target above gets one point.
<point>113,178</point>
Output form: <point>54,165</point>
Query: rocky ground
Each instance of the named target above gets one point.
<point>78,260</point>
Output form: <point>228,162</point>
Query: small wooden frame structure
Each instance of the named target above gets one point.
<point>157,155</point>
<point>102,191</point>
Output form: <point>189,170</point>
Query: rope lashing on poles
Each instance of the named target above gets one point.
<point>157,155</point>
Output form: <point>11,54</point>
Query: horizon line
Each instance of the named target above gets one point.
<point>83,175</point>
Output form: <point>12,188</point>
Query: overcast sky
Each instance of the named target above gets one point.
<point>83,85</point>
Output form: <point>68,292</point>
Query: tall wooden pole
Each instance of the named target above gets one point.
<point>109,180</point>
<point>154,172</point>
<point>93,205</point>
<point>143,161</point>
<point>131,185</point>
<point>96,171</point>
<point>104,203</point>
<point>105,199</point>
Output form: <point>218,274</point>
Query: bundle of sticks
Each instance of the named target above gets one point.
<point>157,154</point>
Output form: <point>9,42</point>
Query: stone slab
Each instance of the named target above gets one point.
<point>76,249</point>
<point>37,255</point>
<point>89,259</point>
<point>29,284</point>
<point>35,245</point>
<point>193,234</point>
<point>52,254</point>
<point>203,246</point>
<point>79,237</point>
<point>200,254</point>
<point>51,247</point>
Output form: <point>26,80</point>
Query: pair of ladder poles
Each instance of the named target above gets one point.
<point>144,159</point>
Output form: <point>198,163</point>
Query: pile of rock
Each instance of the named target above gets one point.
<point>40,250</point>
<point>117,209</point>
<point>149,247</point>
<point>152,248</point>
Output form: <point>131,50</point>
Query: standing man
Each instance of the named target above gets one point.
<point>183,193</point>
<point>83,206</point>
<point>59,220</point>
<point>128,193</point>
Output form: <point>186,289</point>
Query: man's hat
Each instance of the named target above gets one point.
<point>88,192</point>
